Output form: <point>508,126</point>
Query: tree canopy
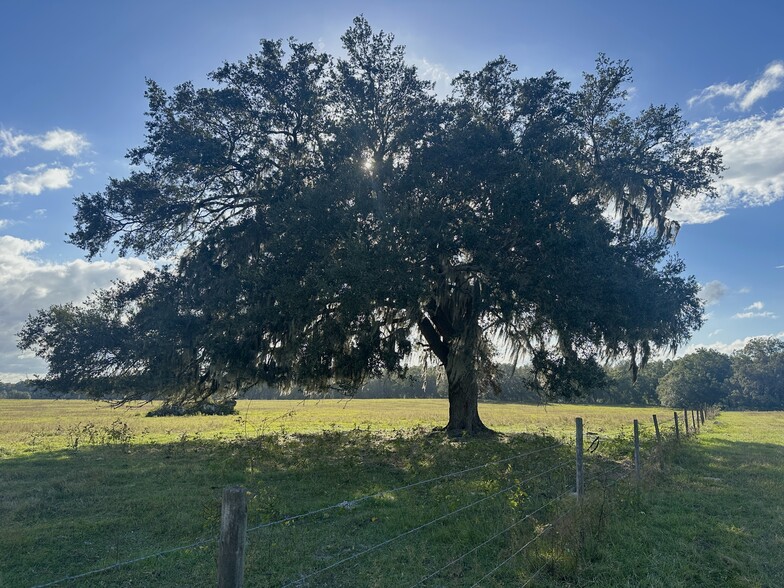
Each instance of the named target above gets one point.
<point>758,375</point>
<point>332,218</point>
<point>699,378</point>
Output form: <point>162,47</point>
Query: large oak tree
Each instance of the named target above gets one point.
<point>333,218</point>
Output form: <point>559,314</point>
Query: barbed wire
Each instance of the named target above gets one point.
<point>547,529</point>
<point>128,562</point>
<point>343,504</point>
<point>422,526</point>
<point>536,573</point>
<point>498,534</point>
<point>603,473</point>
<point>351,503</point>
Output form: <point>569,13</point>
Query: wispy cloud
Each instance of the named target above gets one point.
<point>62,141</point>
<point>753,149</point>
<point>712,292</point>
<point>35,180</point>
<point>12,144</point>
<point>744,94</point>
<point>755,311</point>
<point>748,315</point>
<point>435,73</point>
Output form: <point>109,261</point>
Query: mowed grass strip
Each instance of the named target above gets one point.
<point>713,517</point>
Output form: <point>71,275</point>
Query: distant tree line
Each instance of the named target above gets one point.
<point>27,389</point>
<point>749,379</point>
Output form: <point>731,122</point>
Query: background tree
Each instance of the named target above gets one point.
<point>700,378</point>
<point>333,218</point>
<point>622,389</point>
<point>758,375</point>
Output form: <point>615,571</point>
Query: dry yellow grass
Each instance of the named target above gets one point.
<point>28,426</point>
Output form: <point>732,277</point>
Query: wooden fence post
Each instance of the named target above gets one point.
<point>637,449</point>
<point>231,551</point>
<point>677,429</point>
<point>656,426</point>
<point>686,422</point>
<point>578,443</point>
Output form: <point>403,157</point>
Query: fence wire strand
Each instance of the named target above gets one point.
<point>422,526</point>
<point>128,562</point>
<point>547,529</point>
<point>489,540</point>
<point>350,503</point>
<point>380,493</point>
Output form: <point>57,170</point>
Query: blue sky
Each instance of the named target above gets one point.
<point>72,103</point>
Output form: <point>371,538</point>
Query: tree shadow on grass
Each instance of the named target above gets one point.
<point>69,511</point>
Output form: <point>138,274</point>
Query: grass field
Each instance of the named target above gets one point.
<point>83,486</point>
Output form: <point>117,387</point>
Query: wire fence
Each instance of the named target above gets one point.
<point>514,508</point>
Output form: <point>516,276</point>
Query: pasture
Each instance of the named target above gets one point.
<point>84,486</point>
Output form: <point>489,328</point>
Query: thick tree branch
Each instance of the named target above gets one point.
<point>437,345</point>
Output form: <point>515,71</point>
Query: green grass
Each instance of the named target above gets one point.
<point>83,486</point>
<point>713,517</point>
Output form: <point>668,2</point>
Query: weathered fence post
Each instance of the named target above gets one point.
<point>656,427</point>
<point>231,550</point>
<point>578,443</point>
<point>686,422</point>
<point>637,449</point>
<point>677,429</point>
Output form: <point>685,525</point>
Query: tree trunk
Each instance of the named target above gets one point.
<point>463,399</point>
<point>451,328</point>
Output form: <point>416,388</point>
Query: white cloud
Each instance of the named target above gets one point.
<point>780,267</point>
<point>771,80</point>
<point>66,142</point>
<point>734,91</point>
<point>60,140</point>
<point>435,73</point>
<point>759,305</point>
<point>753,149</point>
<point>12,144</point>
<point>28,284</point>
<point>727,348</point>
<point>712,292</point>
<point>35,180</point>
<point>700,210</point>
<point>744,290</point>
<point>752,314</point>
<point>744,94</point>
